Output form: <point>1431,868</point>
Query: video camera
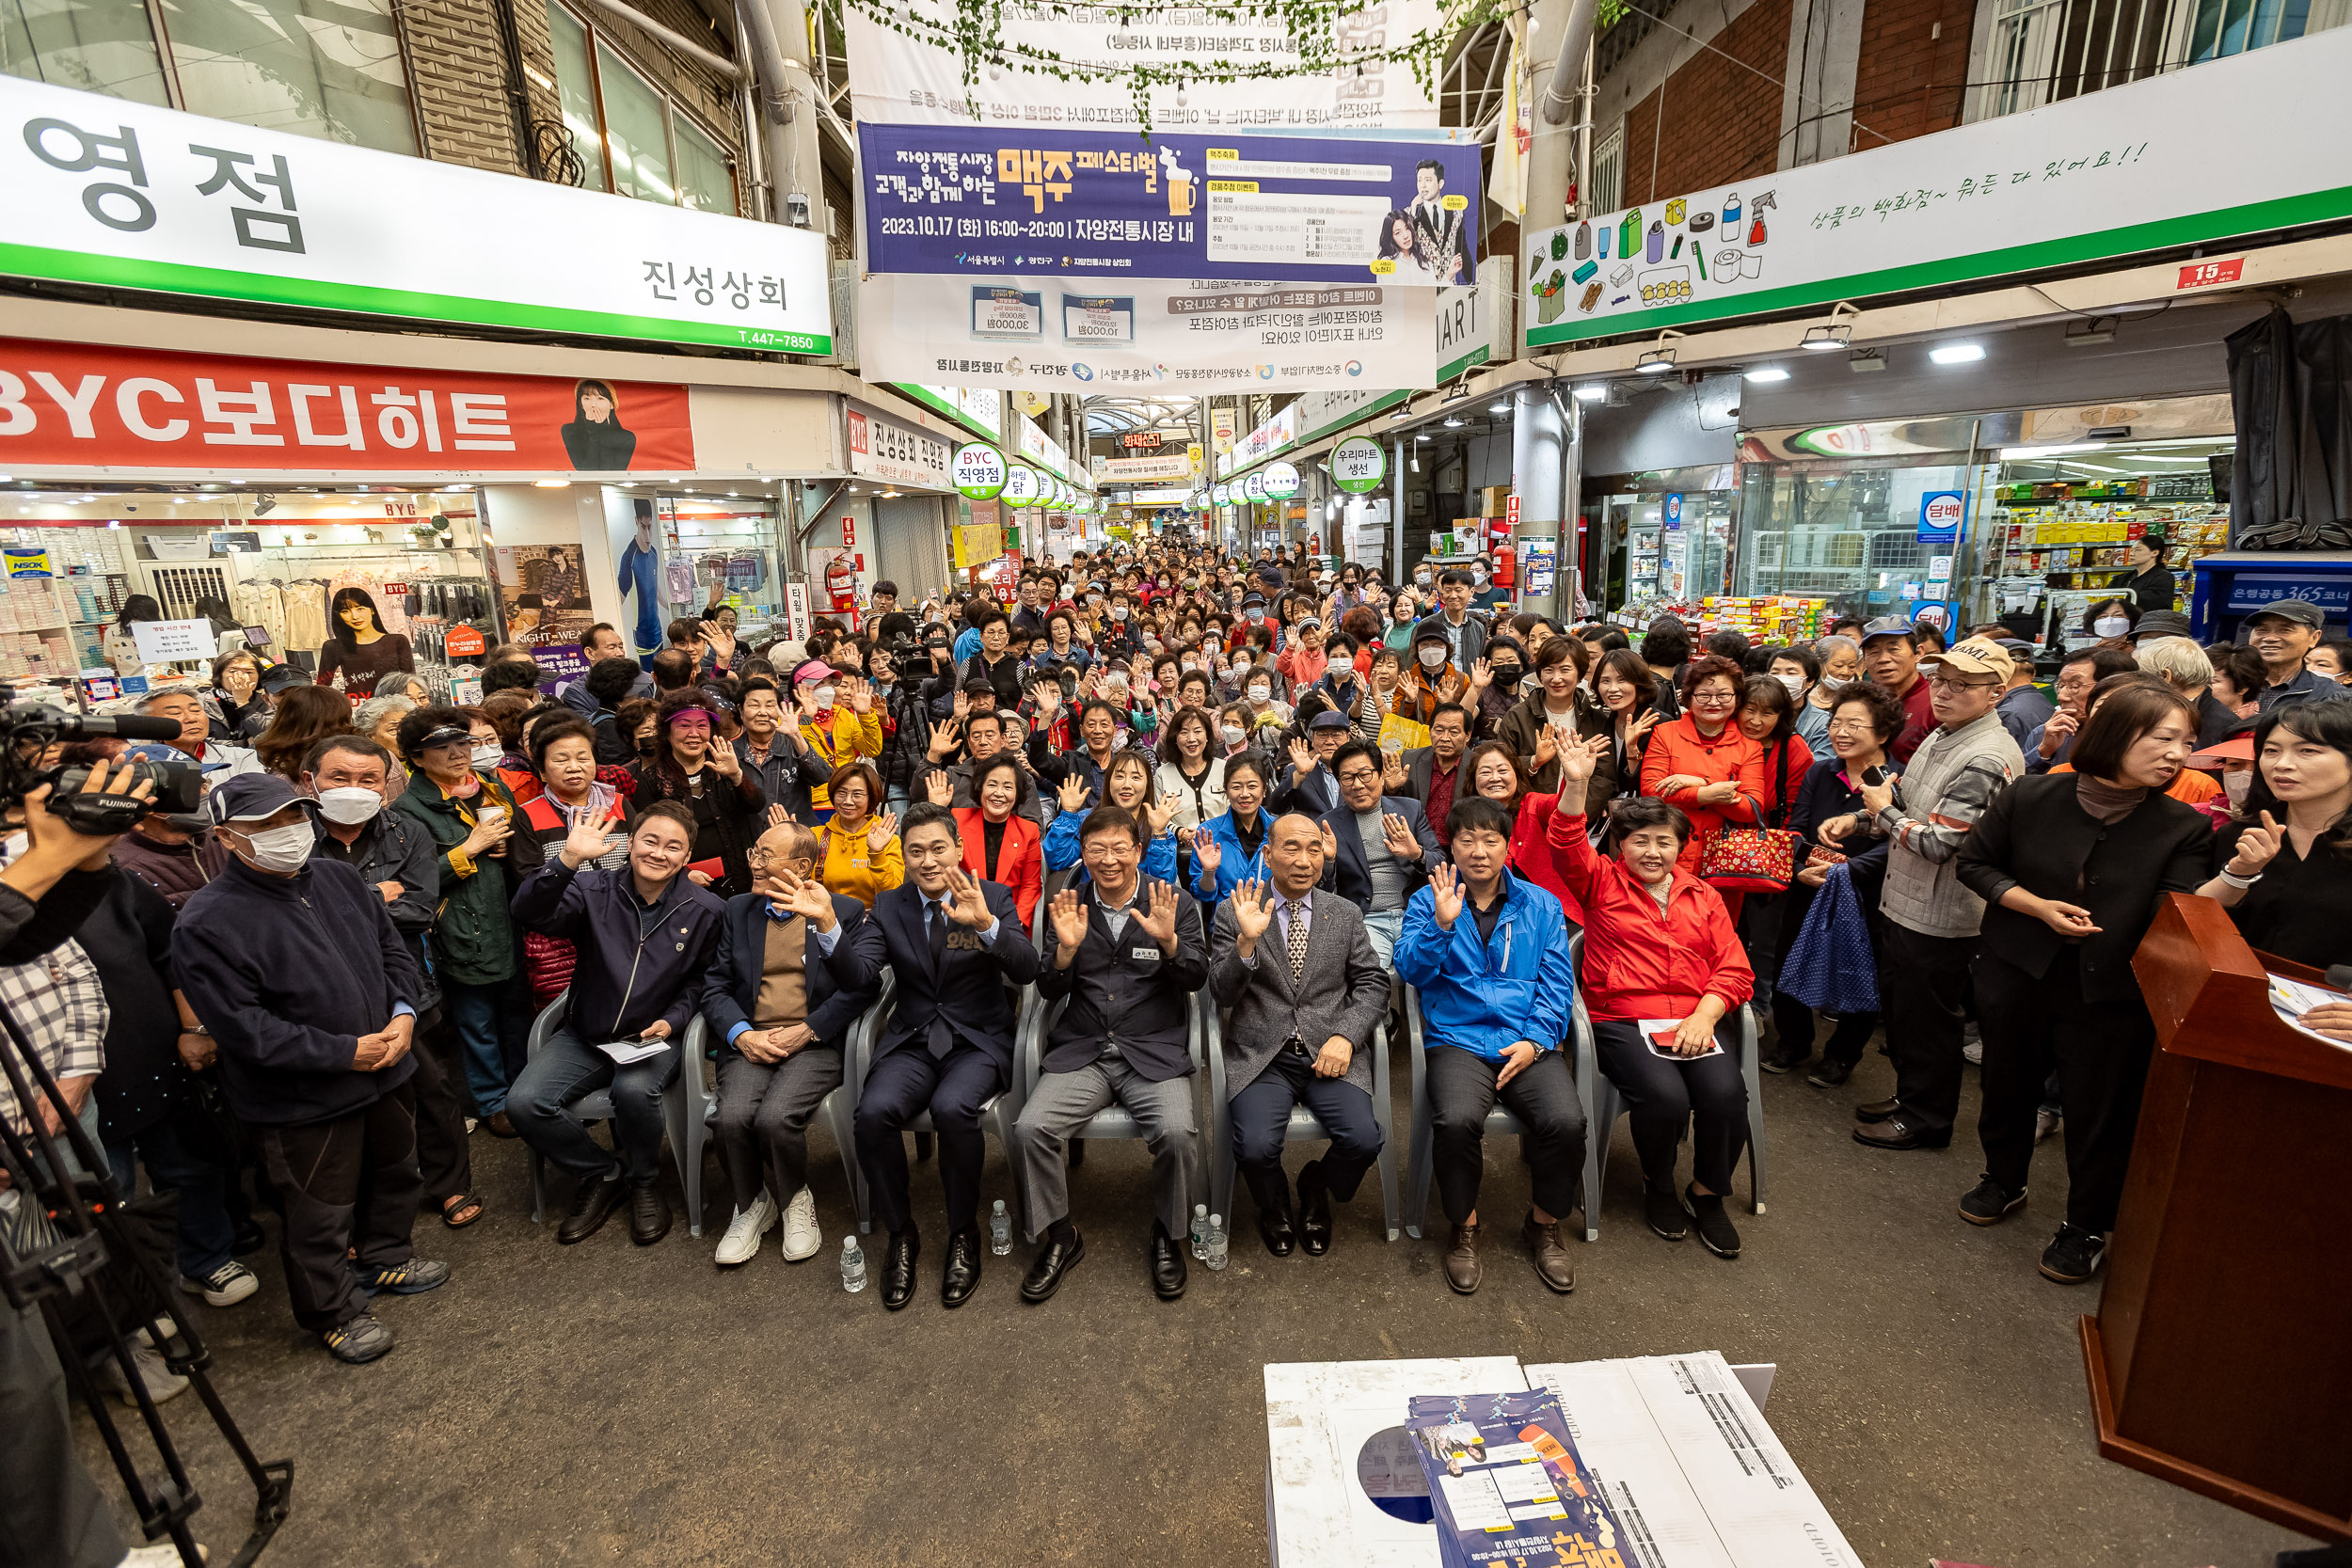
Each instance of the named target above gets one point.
<point>29,727</point>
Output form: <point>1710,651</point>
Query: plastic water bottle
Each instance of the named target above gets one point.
<point>1214,1256</point>
<point>852,1265</point>
<point>999,1230</point>
<point>1199,1231</point>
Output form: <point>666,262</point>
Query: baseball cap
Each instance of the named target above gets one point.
<point>1976,656</point>
<point>2301,611</point>
<point>249,797</point>
<point>156,750</point>
<point>2158,623</point>
<point>1330,719</point>
<point>1887,626</point>
<point>281,677</point>
<point>2016,647</point>
<point>440,736</point>
<point>1306,620</point>
<point>1430,631</point>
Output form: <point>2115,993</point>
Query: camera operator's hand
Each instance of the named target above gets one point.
<point>57,847</point>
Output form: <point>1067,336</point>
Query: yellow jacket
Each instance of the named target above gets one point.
<point>848,737</point>
<point>847,864</point>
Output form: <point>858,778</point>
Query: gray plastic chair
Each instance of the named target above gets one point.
<point>1609,1104</point>
<point>836,1110</point>
<point>1114,1120</point>
<point>996,1113</point>
<point>685,1135</point>
<point>1302,1127</point>
<point>1500,1122</point>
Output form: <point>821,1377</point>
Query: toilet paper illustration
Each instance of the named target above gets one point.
<point>1738,263</point>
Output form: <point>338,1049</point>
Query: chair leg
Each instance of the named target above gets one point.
<point>539,1188</point>
<point>1386,1165</point>
<point>1597,1148</point>
<point>1418,1171</point>
<point>838,1109</point>
<point>1753,1080</point>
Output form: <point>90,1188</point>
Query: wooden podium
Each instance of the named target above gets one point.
<point>2221,1356</point>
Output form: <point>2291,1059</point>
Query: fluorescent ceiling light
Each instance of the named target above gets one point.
<point>1767,372</point>
<point>1491,408</point>
<point>1956,354</point>
<point>551,484</point>
<point>1592,392</point>
<point>2024,454</point>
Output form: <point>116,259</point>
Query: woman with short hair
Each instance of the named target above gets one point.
<point>857,851</point>
<point>1703,762</point>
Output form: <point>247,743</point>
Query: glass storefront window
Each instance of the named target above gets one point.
<point>1667,544</point>
<point>576,86</point>
<point>703,181</point>
<point>1844,532</point>
<point>634,132</point>
<point>96,45</point>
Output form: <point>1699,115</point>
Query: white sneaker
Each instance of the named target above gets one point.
<point>162,1554</point>
<point>162,1382</point>
<point>1972,1052</point>
<point>801,1235</point>
<point>740,1245</point>
<point>225,1286</point>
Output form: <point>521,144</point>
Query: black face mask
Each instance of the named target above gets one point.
<point>1508,677</point>
<point>651,746</point>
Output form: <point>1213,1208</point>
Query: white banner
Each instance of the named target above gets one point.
<point>104,191</point>
<point>895,77</point>
<point>1128,470</point>
<point>2151,165</point>
<point>885,449</point>
<point>1071,336</point>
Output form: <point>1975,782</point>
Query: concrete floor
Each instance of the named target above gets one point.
<point>607,1403</point>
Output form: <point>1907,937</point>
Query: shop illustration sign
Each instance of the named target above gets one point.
<point>84,405</point>
<point>103,191</point>
<point>966,201</point>
<point>2139,167</point>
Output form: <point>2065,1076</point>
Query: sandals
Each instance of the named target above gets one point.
<point>461,1211</point>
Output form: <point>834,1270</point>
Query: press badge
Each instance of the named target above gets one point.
<point>1143,953</point>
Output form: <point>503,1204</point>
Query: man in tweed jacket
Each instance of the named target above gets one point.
<point>1297,971</point>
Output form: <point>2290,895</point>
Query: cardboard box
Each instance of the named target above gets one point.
<point>1494,501</point>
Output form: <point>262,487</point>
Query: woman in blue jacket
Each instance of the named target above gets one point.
<point>1228,849</point>
<point>1128,782</point>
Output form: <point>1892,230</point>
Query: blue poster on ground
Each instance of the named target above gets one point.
<point>947,198</point>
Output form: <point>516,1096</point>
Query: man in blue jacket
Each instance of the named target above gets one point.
<point>1488,952</point>
<point>645,936</point>
<point>293,967</point>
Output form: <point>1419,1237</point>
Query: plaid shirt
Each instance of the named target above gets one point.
<point>60,1003</point>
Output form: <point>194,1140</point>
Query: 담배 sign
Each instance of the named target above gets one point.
<point>979,471</point>
<point>1940,515</point>
<point>173,642</point>
<point>1359,464</point>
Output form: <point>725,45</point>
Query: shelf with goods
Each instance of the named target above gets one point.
<point>2082,533</point>
<point>1773,618</point>
<point>706,541</point>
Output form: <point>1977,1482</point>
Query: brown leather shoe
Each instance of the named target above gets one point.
<point>501,1126</point>
<point>1461,1261</point>
<point>1551,1259</point>
<point>1877,1110</point>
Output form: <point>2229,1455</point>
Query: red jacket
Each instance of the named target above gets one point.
<point>1638,962</point>
<point>1530,852</point>
<point>1919,720</point>
<point>1678,748</point>
<point>1020,860</point>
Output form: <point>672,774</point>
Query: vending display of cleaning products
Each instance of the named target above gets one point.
<point>1667,258</point>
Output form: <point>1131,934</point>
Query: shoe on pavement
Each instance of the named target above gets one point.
<point>1551,1259</point>
<point>411,1278</point>
<point>592,1204</point>
<point>1462,1269</point>
<point>1717,1234</point>
<point>2045,1125</point>
<point>360,1341</point>
<point>1990,1203</point>
<point>1055,1260</point>
<point>648,1214</point>
<point>801,1235</point>
<point>225,1286</point>
<point>1877,1110</point>
<point>1830,1075</point>
<point>961,1277</point>
<point>162,1382</point>
<point>1897,1132</point>
<point>741,1243</point>
<point>2073,1255</point>
<point>160,1554</point>
<point>1666,1212</point>
<point>1778,1060</point>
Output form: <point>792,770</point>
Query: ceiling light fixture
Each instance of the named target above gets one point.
<point>1454,422</point>
<point>551,484</point>
<point>1956,354</point>
<point>1660,359</point>
<point>1763,374</point>
<point>1837,332</point>
<point>1592,392</point>
<point>1503,407</point>
<point>1865,359</point>
<point>1402,411</point>
<point>2096,329</point>
<point>1460,392</point>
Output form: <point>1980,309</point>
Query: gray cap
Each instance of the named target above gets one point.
<point>2301,611</point>
<point>1887,626</point>
<point>2159,623</point>
<point>1330,719</point>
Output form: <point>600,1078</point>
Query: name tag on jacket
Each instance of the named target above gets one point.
<point>1149,955</point>
<point>963,941</point>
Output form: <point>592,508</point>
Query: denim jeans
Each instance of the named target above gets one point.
<point>568,1069</point>
<point>1384,927</point>
<point>493,1025</point>
<point>206,1234</point>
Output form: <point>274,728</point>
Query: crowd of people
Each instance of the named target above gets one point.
<point>1147,777</point>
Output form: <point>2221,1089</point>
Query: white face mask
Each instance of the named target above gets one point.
<point>2112,626</point>
<point>488,755</point>
<point>1431,656</point>
<point>282,851</point>
<point>2236,785</point>
<point>1479,577</point>
<point>1794,683</point>
<point>1232,734</point>
<point>1119,613</point>
<point>1259,693</point>
<point>1423,578</point>
<point>824,696</point>
<point>350,807</point>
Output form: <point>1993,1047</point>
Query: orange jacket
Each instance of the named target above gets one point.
<point>1678,748</point>
<point>1020,860</point>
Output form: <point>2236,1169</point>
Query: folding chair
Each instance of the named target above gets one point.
<point>1302,1126</point>
<point>996,1113</point>
<point>1114,1120</point>
<point>597,1105</point>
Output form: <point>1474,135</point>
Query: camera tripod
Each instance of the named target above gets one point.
<point>68,1261</point>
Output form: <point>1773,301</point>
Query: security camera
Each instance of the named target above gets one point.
<point>264,505</point>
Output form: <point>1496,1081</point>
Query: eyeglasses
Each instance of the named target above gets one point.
<point>1850,726</point>
<point>1945,683</point>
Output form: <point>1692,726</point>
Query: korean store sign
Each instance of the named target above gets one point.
<point>104,191</point>
<point>901,454</point>
<point>85,406</point>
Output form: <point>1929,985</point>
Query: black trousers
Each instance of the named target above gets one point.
<point>1662,1097</point>
<point>52,1514</point>
<point>1461,1092</point>
<point>2100,1051</point>
<point>1924,982</point>
<point>443,1157</point>
<point>320,1172</point>
<point>900,1088</point>
<point>1263,1109</point>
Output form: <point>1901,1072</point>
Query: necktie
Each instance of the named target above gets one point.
<point>937,1039</point>
<point>1294,925</point>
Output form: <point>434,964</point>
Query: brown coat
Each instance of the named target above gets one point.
<point>1524,725</point>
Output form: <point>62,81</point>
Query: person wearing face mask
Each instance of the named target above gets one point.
<point>2109,619</point>
<point>838,725</point>
<point>1486,595</point>
<point>1840,668</point>
<point>2070,867</point>
<point>1797,667</point>
<point>1495,683</point>
<point>294,966</point>
<point>1429,676</point>
<point>645,936</point>
<point>1342,689</point>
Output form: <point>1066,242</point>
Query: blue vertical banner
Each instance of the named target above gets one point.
<point>951,198</point>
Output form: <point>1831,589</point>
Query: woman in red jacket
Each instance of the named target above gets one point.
<point>1664,978</point>
<point>999,843</point>
<point>1702,764</point>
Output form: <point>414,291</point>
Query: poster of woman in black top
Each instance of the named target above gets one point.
<point>594,439</point>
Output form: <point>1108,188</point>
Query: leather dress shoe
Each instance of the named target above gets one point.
<point>1896,1132</point>
<point>1275,1226</point>
<point>1877,1110</point>
<point>591,1207</point>
<point>1314,1211</point>
<point>1168,1266</point>
<point>962,1276</point>
<point>897,1269</point>
<point>1053,1261</point>
<point>1461,1260</point>
<point>1551,1259</point>
<point>648,1216</point>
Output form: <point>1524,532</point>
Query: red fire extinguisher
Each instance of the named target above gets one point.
<point>841,585</point>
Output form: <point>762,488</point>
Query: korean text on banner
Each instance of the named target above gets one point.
<point>1200,339</point>
<point>108,192</point>
<point>947,198</point>
<point>2138,168</point>
<point>895,75</point>
<point>82,406</point>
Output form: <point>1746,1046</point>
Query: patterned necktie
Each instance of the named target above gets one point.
<point>1294,925</point>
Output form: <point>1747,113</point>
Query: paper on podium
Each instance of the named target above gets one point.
<point>1621,1446</point>
<point>1320,1419</point>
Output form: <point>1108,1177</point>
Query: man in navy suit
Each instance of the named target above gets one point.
<point>1378,849</point>
<point>796,967</point>
<point>954,941</point>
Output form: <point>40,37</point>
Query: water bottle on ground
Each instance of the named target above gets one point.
<point>852,1265</point>
<point>1214,1256</point>
<point>999,1230</point>
<point>1199,1231</point>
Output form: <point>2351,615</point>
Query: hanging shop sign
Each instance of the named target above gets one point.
<point>1463,340</point>
<point>1221,494</point>
<point>1940,515</point>
<point>1359,464</point>
<point>1200,339</point>
<point>897,73</point>
<point>1023,485</point>
<point>2139,167</point>
<point>89,406</point>
<point>901,454</point>
<point>944,198</point>
<point>1221,429</point>
<point>103,191</point>
<point>1278,434</point>
<point>1140,440</point>
<point>1128,470</point>
<point>979,471</point>
<point>1253,488</point>
<point>1280,481</point>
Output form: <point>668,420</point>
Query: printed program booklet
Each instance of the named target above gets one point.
<point>1508,1486</point>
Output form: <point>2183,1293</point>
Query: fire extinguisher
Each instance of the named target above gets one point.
<point>841,585</point>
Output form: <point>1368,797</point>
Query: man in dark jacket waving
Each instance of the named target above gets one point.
<point>644,935</point>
